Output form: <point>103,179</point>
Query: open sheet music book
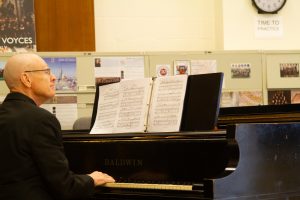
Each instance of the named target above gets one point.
<point>141,105</point>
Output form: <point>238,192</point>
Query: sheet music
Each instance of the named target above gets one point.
<point>108,103</point>
<point>167,104</point>
<point>122,107</point>
<point>134,100</point>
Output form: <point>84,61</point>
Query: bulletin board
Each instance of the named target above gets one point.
<point>224,60</point>
<point>243,70</point>
<point>283,70</point>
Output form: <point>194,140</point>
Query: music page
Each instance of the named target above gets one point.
<point>167,104</point>
<point>123,106</point>
<point>108,104</point>
<point>133,108</point>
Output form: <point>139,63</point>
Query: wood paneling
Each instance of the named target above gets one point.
<point>65,25</point>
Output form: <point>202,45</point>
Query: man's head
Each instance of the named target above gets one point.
<point>29,74</point>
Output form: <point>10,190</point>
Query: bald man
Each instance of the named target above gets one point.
<point>33,164</point>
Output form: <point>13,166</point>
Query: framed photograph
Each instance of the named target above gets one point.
<point>97,62</point>
<point>240,70</point>
<point>283,71</point>
<point>289,70</point>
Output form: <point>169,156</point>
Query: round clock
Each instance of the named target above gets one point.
<point>269,6</point>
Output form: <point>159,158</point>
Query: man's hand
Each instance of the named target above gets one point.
<point>101,178</point>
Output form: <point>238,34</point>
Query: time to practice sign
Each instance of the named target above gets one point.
<point>268,27</point>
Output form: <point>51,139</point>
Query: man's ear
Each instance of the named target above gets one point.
<point>25,79</point>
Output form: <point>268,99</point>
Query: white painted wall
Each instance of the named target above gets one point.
<point>188,25</point>
<point>155,25</point>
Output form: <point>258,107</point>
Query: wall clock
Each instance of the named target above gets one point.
<point>268,6</point>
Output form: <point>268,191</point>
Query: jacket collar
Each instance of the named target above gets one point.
<point>19,97</point>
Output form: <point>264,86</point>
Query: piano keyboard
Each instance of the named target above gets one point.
<point>149,186</point>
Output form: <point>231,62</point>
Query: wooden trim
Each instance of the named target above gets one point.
<point>65,25</point>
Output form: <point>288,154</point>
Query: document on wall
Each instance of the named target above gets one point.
<point>203,66</point>
<point>127,67</point>
<point>141,105</point>
<point>64,107</point>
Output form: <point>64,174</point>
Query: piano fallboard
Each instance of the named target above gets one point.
<point>178,158</point>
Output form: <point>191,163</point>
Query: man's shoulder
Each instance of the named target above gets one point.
<point>41,112</point>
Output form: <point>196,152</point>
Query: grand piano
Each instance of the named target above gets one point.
<point>239,161</point>
<point>154,166</point>
<point>241,158</point>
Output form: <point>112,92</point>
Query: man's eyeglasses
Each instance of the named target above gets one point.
<point>47,71</point>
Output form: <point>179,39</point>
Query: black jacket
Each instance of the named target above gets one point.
<point>33,164</point>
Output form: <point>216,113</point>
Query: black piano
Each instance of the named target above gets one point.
<point>244,161</point>
<point>259,114</point>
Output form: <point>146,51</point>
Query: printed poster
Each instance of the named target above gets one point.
<point>17,26</point>
<point>279,97</point>
<point>64,69</point>
<point>241,98</point>
<point>295,96</point>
